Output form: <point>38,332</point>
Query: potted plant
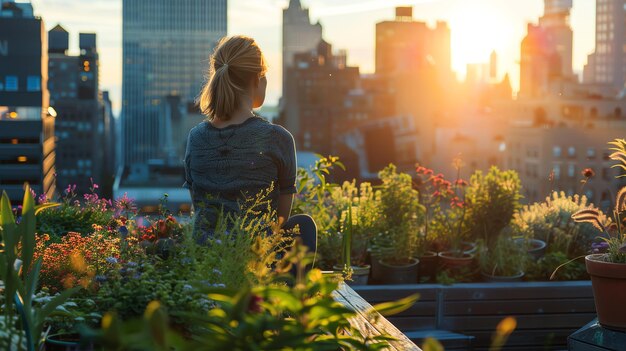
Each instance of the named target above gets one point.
<point>358,223</point>
<point>401,215</point>
<point>446,215</point>
<point>608,270</point>
<point>503,262</point>
<point>492,200</point>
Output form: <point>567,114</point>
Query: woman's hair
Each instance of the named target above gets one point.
<point>236,61</point>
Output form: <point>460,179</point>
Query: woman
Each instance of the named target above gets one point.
<point>235,154</point>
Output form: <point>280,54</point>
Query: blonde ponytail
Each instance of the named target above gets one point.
<point>235,62</point>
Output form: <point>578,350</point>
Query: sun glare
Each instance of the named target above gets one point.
<point>476,32</point>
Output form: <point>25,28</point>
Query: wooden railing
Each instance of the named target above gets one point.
<point>369,322</point>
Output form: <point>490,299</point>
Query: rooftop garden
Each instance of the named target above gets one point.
<point>94,270</point>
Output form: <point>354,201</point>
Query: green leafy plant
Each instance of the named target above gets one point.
<point>401,217</point>
<point>612,227</point>
<point>551,221</point>
<point>445,224</point>
<point>505,258</point>
<point>315,198</point>
<point>20,274</point>
<point>300,316</point>
<point>359,221</point>
<point>492,198</point>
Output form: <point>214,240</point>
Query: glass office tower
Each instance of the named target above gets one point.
<point>166,48</point>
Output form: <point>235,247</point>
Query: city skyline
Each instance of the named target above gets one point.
<point>262,20</point>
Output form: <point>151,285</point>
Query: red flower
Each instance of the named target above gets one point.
<point>254,306</point>
<point>588,173</point>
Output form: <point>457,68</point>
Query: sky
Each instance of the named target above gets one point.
<point>477,27</point>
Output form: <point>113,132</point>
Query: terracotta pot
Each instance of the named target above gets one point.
<point>427,268</point>
<point>451,260</point>
<point>609,289</point>
<point>503,279</point>
<point>398,274</point>
<point>360,274</point>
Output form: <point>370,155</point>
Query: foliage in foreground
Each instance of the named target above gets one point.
<point>276,316</point>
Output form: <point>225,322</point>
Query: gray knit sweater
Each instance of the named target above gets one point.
<point>223,166</point>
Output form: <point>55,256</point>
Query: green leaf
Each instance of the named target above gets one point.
<point>395,307</point>
<point>27,229</point>
<point>431,344</point>
<point>42,207</point>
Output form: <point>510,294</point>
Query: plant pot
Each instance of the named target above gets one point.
<point>66,342</point>
<point>536,249</point>
<point>451,260</point>
<point>398,274</point>
<point>360,274</point>
<point>469,247</point>
<point>375,271</point>
<point>503,278</point>
<point>608,281</point>
<point>427,268</point>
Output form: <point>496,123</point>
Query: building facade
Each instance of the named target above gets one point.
<point>607,65</point>
<point>166,49</point>
<point>82,147</point>
<point>27,145</point>
<point>546,51</point>
<point>299,34</point>
<point>316,89</point>
<point>414,59</point>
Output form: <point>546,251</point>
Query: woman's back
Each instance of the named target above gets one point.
<point>226,165</point>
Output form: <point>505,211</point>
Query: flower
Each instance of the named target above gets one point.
<point>254,305</point>
<point>101,278</point>
<point>588,173</point>
<point>111,260</point>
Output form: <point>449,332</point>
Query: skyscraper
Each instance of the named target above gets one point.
<point>546,50</point>
<point>607,65</point>
<point>299,35</point>
<point>414,59</point>
<point>80,125</point>
<point>166,48</point>
<point>26,123</point>
<point>317,86</point>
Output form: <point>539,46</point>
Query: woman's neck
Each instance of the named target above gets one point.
<point>239,116</point>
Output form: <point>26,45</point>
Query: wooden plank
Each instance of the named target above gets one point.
<point>550,321</point>
<point>539,338</point>
<point>371,321</point>
<point>522,290</point>
<point>518,307</point>
<point>377,293</point>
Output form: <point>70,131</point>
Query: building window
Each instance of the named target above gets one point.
<point>556,172</point>
<point>556,151</point>
<point>33,83</point>
<point>571,170</point>
<point>571,151</point>
<point>11,83</point>
<point>591,152</point>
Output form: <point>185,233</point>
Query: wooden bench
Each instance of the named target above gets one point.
<point>465,316</point>
<point>369,322</point>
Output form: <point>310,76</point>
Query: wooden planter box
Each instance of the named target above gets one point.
<point>465,316</point>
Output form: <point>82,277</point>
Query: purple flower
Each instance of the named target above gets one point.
<point>600,247</point>
<point>131,264</point>
<point>111,260</point>
<point>101,278</point>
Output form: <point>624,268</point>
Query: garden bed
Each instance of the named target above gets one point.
<point>546,312</point>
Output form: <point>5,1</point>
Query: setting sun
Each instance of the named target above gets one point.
<point>476,32</point>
